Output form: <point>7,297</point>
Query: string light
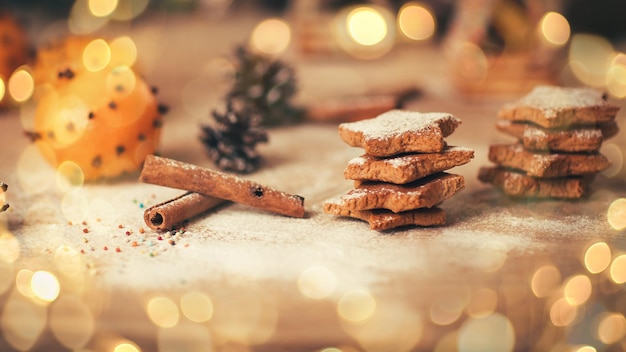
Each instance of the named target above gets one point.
<point>416,21</point>
<point>554,29</point>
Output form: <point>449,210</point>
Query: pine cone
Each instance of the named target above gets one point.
<point>266,86</point>
<point>231,144</point>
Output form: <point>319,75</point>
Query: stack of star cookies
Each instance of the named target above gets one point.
<point>400,180</point>
<point>559,131</point>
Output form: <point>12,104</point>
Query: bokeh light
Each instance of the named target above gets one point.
<point>590,58</point>
<point>545,280</point>
<point>33,171</point>
<point>126,347</point>
<point>597,257</point>
<point>317,282</point>
<point>356,306</point>
<point>244,315</point>
<point>186,336</point>
<point>554,29</point>
<point>448,342</point>
<point>393,326</point>
<point>121,81</point>
<point>102,8</point>
<point>96,55</point>
<point>562,313</point>
<point>491,333</point>
<point>82,21</point>
<point>68,261</point>
<point>22,322</point>
<point>271,36</point>
<point>23,280</point>
<point>616,214</point>
<point>616,77</point>
<point>163,312</point>
<point>491,260</point>
<point>618,269</point>
<point>416,21</point>
<point>69,175</point>
<point>9,246</point>
<point>6,276</point>
<point>123,52</point>
<point>45,285</point>
<point>129,9</point>
<point>365,32</point>
<point>67,119</point>
<point>366,26</point>
<point>2,88</point>
<point>448,307</point>
<point>71,322</point>
<point>28,108</point>
<point>616,156</point>
<point>196,306</point>
<point>612,328</point>
<point>470,63</point>
<point>21,85</point>
<point>577,289</point>
<point>483,303</point>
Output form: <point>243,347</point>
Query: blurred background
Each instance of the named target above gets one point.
<point>467,57</point>
<point>489,46</point>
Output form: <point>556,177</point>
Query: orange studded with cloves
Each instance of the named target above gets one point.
<point>106,122</point>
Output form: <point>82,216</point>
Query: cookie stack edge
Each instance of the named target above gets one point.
<point>401,178</point>
<point>559,132</point>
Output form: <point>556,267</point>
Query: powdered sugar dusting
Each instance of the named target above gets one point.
<point>396,122</point>
<point>359,160</point>
<point>551,99</point>
<point>398,162</point>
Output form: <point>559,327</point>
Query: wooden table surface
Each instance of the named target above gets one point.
<point>502,274</point>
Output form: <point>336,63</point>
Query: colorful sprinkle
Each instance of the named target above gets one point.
<point>106,248</point>
<point>160,238</point>
<point>85,230</point>
<point>120,226</point>
<point>141,230</point>
<point>134,244</point>
<point>117,249</point>
<point>128,233</point>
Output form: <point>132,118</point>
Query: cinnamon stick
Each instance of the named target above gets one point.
<point>176,174</point>
<point>165,215</point>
